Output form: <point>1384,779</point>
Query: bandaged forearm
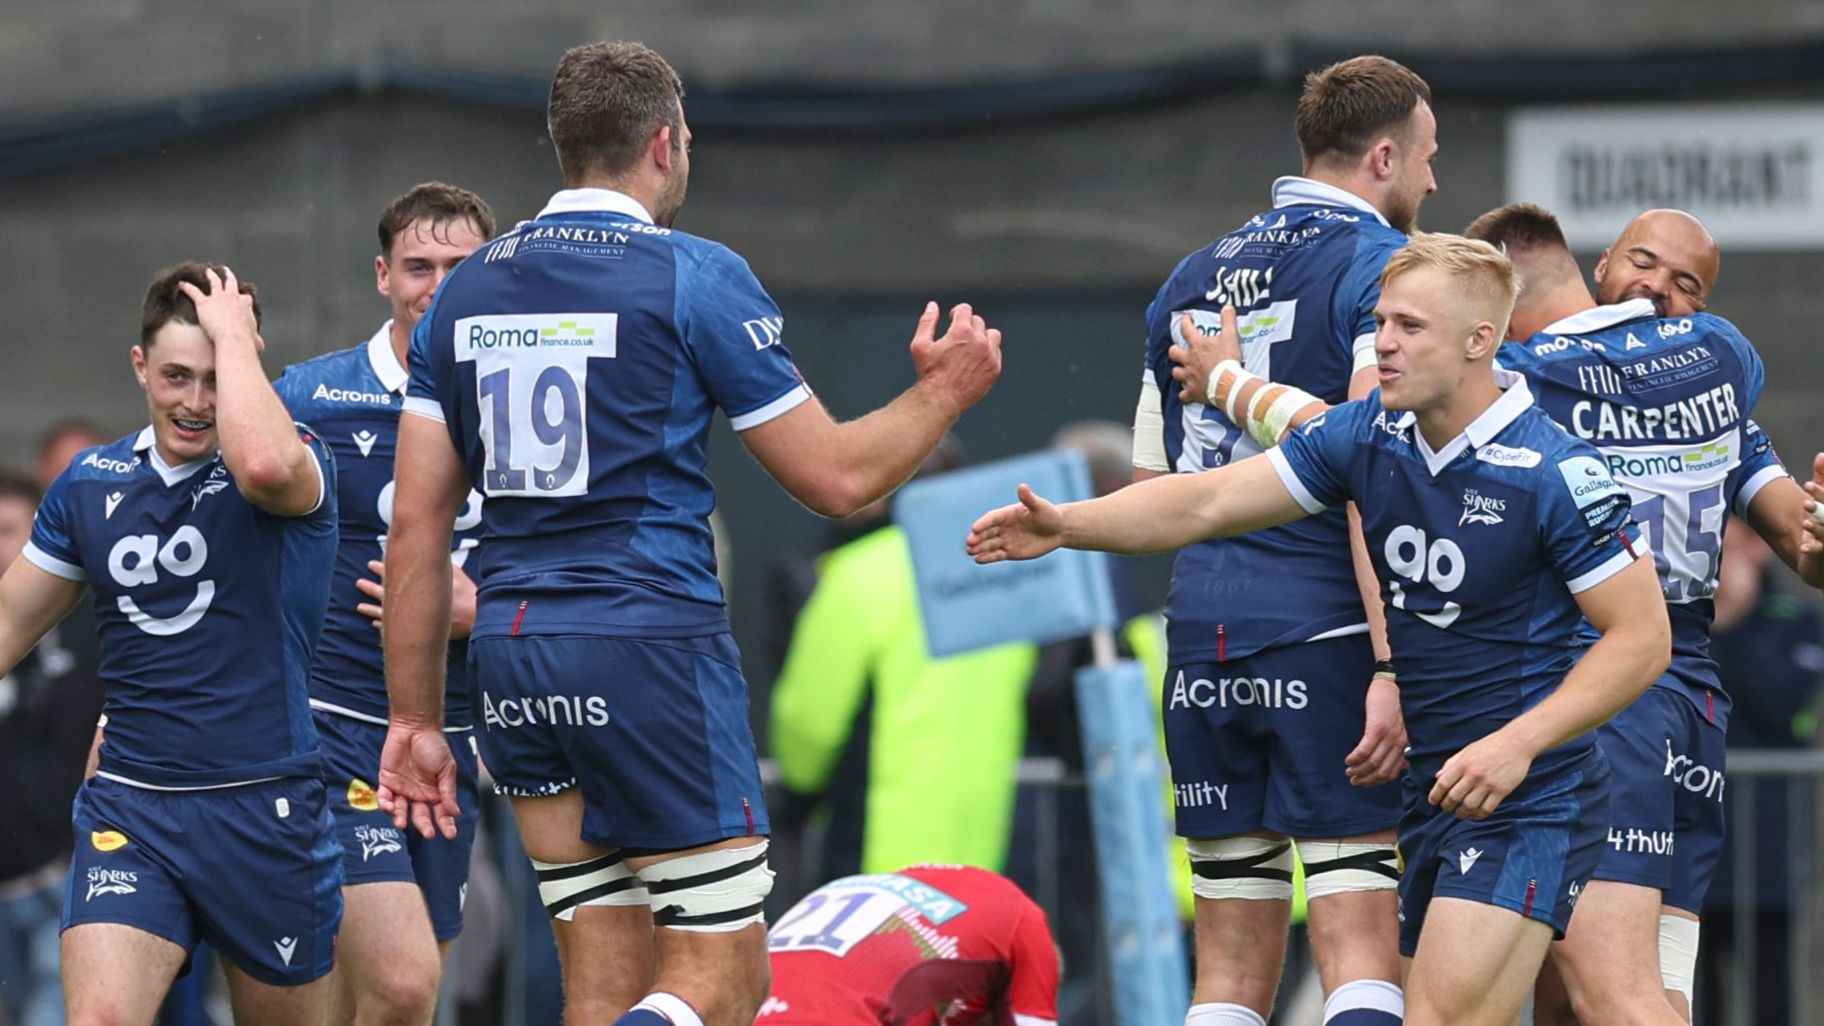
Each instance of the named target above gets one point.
<point>1264,409</point>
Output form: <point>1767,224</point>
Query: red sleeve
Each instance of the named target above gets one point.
<point>1032,991</point>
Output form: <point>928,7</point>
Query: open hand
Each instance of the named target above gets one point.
<point>418,779</point>
<point>1027,529</point>
<point>1197,354</point>
<point>223,311</point>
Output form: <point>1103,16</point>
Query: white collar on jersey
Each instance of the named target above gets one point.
<point>1599,317</point>
<point>386,365</point>
<point>1515,398</point>
<point>575,201</point>
<point>1290,189</point>
<point>147,442</point>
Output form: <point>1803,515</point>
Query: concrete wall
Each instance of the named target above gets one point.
<point>1060,231</point>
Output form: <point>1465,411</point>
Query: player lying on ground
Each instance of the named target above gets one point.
<point>952,944</point>
<point>1507,804</point>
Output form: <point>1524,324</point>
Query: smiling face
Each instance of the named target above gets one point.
<point>422,253</point>
<point>1666,256</point>
<point>176,367</point>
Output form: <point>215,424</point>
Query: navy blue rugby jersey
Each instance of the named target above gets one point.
<point>1669,403</point>
<point>577,361</point>
<point>1480,547</point>
<point>208,610</point>
<point>353,399</point>
<point>1304,279</point>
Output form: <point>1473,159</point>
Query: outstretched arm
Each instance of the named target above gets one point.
<point>837,468</point>
<point>1164,513</point>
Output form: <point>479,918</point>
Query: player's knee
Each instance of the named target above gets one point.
<point>1348,867</point>
<point>565,887</point>
<point>1255,868</point>
<point>99,1013</point>
<point>400,994</point>
<point>718,891</point>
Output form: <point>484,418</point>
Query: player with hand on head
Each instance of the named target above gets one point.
<point>1492,566</point>
<point>569,371</point>
<point>405,893</point>
<point>1318,764</point>
<point>205,537</point>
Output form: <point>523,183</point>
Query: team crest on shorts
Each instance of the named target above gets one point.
<point>108,840</point>
<point>361,796</point>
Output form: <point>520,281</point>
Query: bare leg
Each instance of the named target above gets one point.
<point>607,952</point>
<point>262,1004</point>
<point>116,975</point>
<point>1474,965</point>
<point>724,976</point>
<point>388,961</point>
<point>1610,957</point>
<point>1355,935</point>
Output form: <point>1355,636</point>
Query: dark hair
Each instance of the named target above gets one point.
<point>1518,228</point>
<point>14,485</point>
<point>165,302</point>
<point>606,101</point>
<point>434,204</point>
<point>1349,104</point>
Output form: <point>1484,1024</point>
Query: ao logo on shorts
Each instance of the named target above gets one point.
<point>137,559</point>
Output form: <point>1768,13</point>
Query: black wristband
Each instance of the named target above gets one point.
<point>1383,666</point>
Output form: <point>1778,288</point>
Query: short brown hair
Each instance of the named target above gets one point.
<point>1518,228</point>
<point>165,302</point>
<point>606,101</point>
<point>1349,104</point>
<point>435,204</point>
<point>1484,273</point>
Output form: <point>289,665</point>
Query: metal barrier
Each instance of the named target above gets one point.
<point>1802,770</point>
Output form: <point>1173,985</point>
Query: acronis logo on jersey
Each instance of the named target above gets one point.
<point>109,465</point>
<point>350,395</point>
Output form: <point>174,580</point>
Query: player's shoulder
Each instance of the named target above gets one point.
<point>972,886</point>
<point>1716,327</point>
<point>110,461</point>
<point>339,383</point>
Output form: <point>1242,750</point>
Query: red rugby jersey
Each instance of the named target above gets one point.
<point>926,946</point>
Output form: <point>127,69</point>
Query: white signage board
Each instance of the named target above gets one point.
<point>1754,172</point>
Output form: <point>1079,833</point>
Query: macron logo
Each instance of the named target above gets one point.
<point>111,502</point>
<point>1466,860</point>
<point>286,946</point>
<point>364,440</point>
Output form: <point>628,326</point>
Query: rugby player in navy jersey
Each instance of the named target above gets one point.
<point>205,537</point>
<point>1497,536</point>
<point>1274,687</point>
<point>1668,401</point>
<point>569,371</point>
<point>404,899</point>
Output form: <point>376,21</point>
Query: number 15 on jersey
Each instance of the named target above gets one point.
<point>531,395</point>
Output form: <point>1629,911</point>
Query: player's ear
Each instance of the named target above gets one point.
<point>661,148</point>
<point>1382,156</point>
<point>1482,341</point>
<point>381,284</point>
<point>139,365</point>
<point>1602,265</point>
